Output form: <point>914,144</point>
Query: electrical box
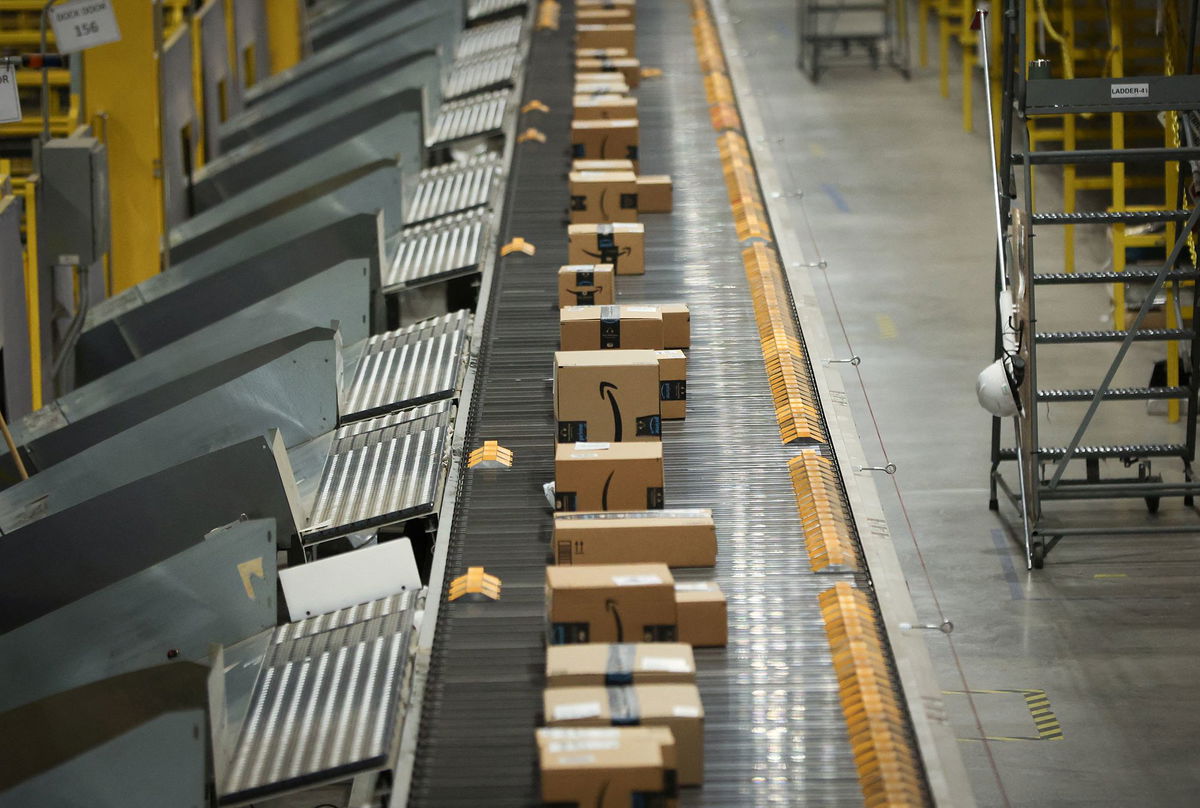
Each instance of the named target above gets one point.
<point>74,220</point>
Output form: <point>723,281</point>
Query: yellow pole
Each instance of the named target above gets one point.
<point>1118,169</point>
<point>32,301</point>
<point>285,37</point>
<point>923,32</point>
<point>967,40</point>
<point>200,157</point>
<point>128,120</point>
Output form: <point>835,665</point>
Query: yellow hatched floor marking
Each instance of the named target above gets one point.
<point>887,326</point>
<point>1036,701</point>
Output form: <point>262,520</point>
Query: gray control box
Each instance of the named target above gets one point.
<point>74,217</point>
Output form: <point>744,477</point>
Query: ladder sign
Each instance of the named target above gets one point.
<point>82,24</point>
<point>10,101</point>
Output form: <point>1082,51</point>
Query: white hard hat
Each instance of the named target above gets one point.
<point>996,388</point>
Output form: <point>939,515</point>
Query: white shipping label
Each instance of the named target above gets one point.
<point>10,101</point>
<point>584,745</point>
<point>658,664</point>
<point>642,309</point>
<point>576,711</point>
<point>685,711</point>
<point>636,580</point>
<point>702,586</point>
<point>582,446</point>
<point>1129,90</point>
<point>577,760</point>
<point>82,24</point>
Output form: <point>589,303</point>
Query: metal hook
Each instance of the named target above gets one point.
<point>946,627</point>
<point>890,468</point>
<point>817,265</point>
<point>853,361</point>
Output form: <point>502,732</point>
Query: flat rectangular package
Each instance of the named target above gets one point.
<point>586,285</point>
<point>602,165</point>
<point>655,191</point>
<point>702,613</point>
<point>608,476</point>
<point>604,84</point>
<point>592,107</point>
<point>606,35</point>
<point>677,325</point>
<point>627,66</point>
<point>606,139</point>
<point>566,774</point>
<point>607,396</point>
<point>611,664</point>
<point>601,328</point>
<point>678,537</point>
<point>622,244</point>
<point>603,196</point>
<point>600,53</point>
<point>590,5</point>
<point>610,603</point>
<point>672,384</point>
<point>603,16</point>
<point>676,706</point>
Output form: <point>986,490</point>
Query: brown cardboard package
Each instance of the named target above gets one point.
<point>640,663</point>
<point>601,35</point>
<point>607,396</point>
<point>703,616</point>
<point>610,603</point>
<point>672,384</point>
<point>628,5</point>
<point>654,191</point>
<point>605,84</point>
<point>627,66</point>
<point>599,107</point>
<point>603,16</point>
<point>613,774</point>
<point>602,165</point>
<point>608,476</point>
<point>608,139</point>
<point>600,53</point>
<point>677,325</point>
<point>681,537</point>
<point>596,328</point>
<point>586,285</point>
<point>560,741</point>
<point>622,244</point>
<point>675,706</point>
<point>603,196</point>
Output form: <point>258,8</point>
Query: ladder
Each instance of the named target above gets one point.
<point>1047,474</point>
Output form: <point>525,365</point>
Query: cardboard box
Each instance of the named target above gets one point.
<point>609,774</point>
<point>608,396</point>
<point>703,615</point>
<point>606,35</point>
<point>611,84</point>
<point>608,139</point>
<point>683,537</point>
<point>586,285</point>
<point>602,165</point>
<point>628,66</point>
<point>622,244</point>
<point>677,325</point>
<point>600,53</point>
<point>672,384</point>
<point>597,328</point>
<point>560,740</point>
<point>654,190</point>
<point>603,16</point>
<point>610,664</point>
<point>603,196</point>
<point>608,476</point>
<point>627,5</point>
<point>677,707</point>
<point>610,603</point>
<point>592,107</point>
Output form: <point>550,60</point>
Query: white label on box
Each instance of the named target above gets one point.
<point>664,664</point>
<point>685,711</point>
<point>636,580</point>
<point>10,101</point>
<point>82,24</point>
<point>577,733</point>
<point>585,745</point>
<point>581,446</point>
<point>702,586</point>
<point>642,309</point>
<point>577,760</point>
<point>574,712</point>
<point>585,455</point>
<point>1129,90</point>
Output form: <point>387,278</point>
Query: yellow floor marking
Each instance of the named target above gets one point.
<point>1038,705</point>
<point>1110,575</point>
<point>887,327</point>
<point>817,149</point>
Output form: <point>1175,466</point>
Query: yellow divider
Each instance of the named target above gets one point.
<point>823,512</point>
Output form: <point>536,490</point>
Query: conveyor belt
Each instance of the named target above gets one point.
<point>327,699</point>
<point>436,250</point>
<point>381,471</point>
<point>489,71</point>
<point>414,365</point>
<point>454,187</point>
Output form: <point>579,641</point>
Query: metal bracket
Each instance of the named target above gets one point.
<point>853,361</point>
<point>890,468</point>
<point>946,627</point>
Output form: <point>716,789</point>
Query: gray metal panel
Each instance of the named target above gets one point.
<point>454,187</point>
<point>419,70</point>
<point>73,213</point>
<point>87,746</point>
<point>355,183</point>
<point>414,365</point>
<point>493,36</point>
<point>471,117</point>
<point>250,34</point>
<point>178,116</point>
<point>488,71</point>
<point>328,32</point>
<point>328,700</point>
<point>385,119</point>
<point>381,471</point>
<point>218,82</point>
<point>478,9</point>
<point>251,478</point>
<point>222,281</point>
<point>182,604</point>
<point>14,319</point>
<point>436,250</point>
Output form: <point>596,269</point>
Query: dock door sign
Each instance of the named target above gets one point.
<point>10,102</point>
<point>82,24</point>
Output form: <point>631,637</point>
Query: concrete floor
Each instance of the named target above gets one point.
<point>896,200</point>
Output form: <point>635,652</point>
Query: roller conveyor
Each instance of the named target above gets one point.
<point>492,36</point>
<point>437,250</point>
<point>480,10</point>
<point>469,118</point>
<point>411,366</point>
<point>454,187</point>
<point>489,71</point>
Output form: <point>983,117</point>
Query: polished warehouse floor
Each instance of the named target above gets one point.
<point>894,197</point>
